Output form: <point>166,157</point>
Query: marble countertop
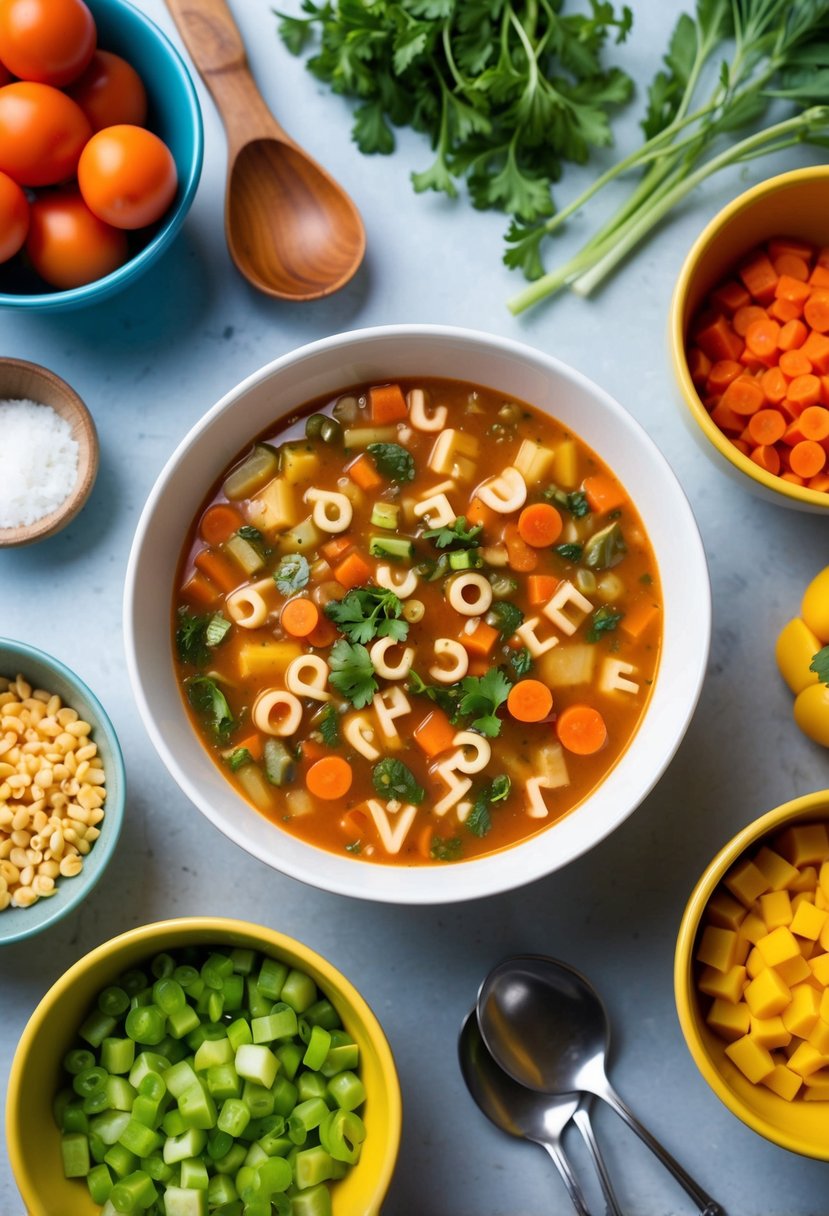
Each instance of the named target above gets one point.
<point>149,362</point>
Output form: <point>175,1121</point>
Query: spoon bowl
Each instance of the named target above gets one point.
<point>545,1025</point>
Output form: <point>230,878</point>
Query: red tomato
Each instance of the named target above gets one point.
<point>110,92</point>
<point>42,133</point>
<point>50,41</point>
<point>127,176</point>
<point>68,245</point>
<point>14,217</point>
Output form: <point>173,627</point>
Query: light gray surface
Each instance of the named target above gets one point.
<point>148,363</point>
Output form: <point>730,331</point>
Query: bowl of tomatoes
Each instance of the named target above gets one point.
<point>101,148</point>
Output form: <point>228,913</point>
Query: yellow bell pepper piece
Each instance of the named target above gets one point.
<point>811,713</point>
<point>796,646</point>
<point>815,606</point>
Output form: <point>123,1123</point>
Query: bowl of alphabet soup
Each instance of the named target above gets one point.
<point>416,614</point>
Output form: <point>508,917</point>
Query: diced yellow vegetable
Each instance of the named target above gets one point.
<point>724,910</point>
<point>806,880</point>
<point>533,461</point>
<point>770,1032</point>
<point>767,994</point>
<point>815,605</point>
<point>717,948</point>
<point>778,946</point>
<point>727,1020</point>
<point>779,872</point>
<point>808,921</point>
<point>753,1061</point>
<point>824,1005</point>
<point>272,509</point>
<point>819,1036</point>
<point>568,665</point>
<point>803,1010</point>
<point>776,909</point>
<point>725,984</point>
<point>794,650</point>
<point>299,464</point>
<point>566,465</point>
<point>303,538</point>
<point>265,659</point>
<point>783,1082</point>
<point>805,844</point>
<point>753,928</point>
<point>819,966</point>
<point>746,882</point>
<point>755,963</point>
<point>811,713</point>
<point>806,1060</point>
<point>816,1086</point>
<point>794,970</point>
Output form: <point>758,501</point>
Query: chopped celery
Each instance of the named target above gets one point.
<point>385,515</point>
<point>255,471</point>
<point>391,546</point>
<point>279,763</point>
<point>75,1151</point>
<point>605,548</point>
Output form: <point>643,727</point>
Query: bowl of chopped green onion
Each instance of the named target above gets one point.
<point>200,1064</point>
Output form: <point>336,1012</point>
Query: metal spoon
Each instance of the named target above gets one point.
<point>292,231</point>
<point>521,1112</point>
<point>546,1026</point>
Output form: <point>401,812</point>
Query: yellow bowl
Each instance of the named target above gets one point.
<point>33,1139</point>
<point>794,204</point>
<point>801,1127</point>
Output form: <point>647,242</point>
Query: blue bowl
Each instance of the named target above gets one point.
<point>42,671</point>
<point>174,116</point>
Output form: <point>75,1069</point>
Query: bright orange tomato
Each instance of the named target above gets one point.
<point>14,217</point>
<point>42,132</point>
<point>50,41</point>
<point>68,245</point>
<point>127,176</point>
<point>5,75</point>
<point>110,92</point>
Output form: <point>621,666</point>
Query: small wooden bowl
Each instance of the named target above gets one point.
<point>20,381</point>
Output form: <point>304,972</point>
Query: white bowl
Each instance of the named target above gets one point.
<point>385,353</point>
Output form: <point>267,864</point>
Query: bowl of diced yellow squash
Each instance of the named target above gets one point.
<point>751,975</point>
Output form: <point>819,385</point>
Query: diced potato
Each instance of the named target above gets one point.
<point>266,659</point>
<point>273,508</point>
<point>568,665</point>
<point>304,538</point>
<point>255,786</point>
<point>552,766</point>
<point>362,436</point>
<point>533,461</point>
<point>243,552</point>
<point>566,465</point>
<point>299,464</point>
<point>454,454</point>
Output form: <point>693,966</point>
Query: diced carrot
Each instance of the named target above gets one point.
<point>699,365</point>
<point>816,310</point>
<point>480,640</point>
<point>824,391</point>
<point>540,523</point>
<point>581,729</point>
<point>792,335</point>
<point>727,419</point>
<point>819,482</point>
<point>721,374</point>
<point>199,591</point>
<point>219,522</point>
<point>814,423</point>
<point>730,296</point>
<point>252,744</point>
<point>323,634</point>
<point>529,701</point>
<point>435,734</point>
<point>479,513</point>
<point>741,446</point>
<point>780,246</point>
<point>766,427</point>
<point>803,392</point>
<point>744,396</point>
<point>335,548</point>
<point>312,750</point>
<point>794,363</point>
<point>541,588</point>
<point>353,571</point>
<point>792,289</point>
<point>759,277</point>
<point>807,458</point>
<point>766,457</point>
<point>793,478</point>
<point>719,341</point>
<point>816,350</point>
<point>219,569</point>
<point>774,385</point>
<point>761,337</point>
<point>299,617</point>
<point>329,778</point>
<point>363,473</point>
<point>355,821</point>
<point>603,493</point>
<point>387,403</point>
<point>520,556</point>
<point>638,617</point>
<point>823,256</point>
<point>819,277</point>
<point>791,265</point>
<point>423,843</point>
<point>746,316</point>
<point>785,310</point>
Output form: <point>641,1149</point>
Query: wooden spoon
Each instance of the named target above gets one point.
<point>290,229</point>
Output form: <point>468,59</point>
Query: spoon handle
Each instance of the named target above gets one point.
<point>582,1121</point>
<point>707,1206</point>
<point>569,1179</point>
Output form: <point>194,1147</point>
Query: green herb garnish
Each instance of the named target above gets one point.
<point>506,617</point>
<point>352,672</point>
<point>208,699</point>
<point>446,849</point>
<point>392,461</point>
<point>328,726</point>
<point>459,536</point>
<point>196,636</point>
<point>292,573</point>
<point>367,613</point>
<point>820,665</point>
<point>238,758</point>
<point>521,661</point>
<point>570,552</point>
<point>480,698</point>
<point>392,779</point>
<point>479,820</point>
<point>574,501</point>
<point>604,620</point>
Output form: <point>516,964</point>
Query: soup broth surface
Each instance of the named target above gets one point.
<point>417,622</point>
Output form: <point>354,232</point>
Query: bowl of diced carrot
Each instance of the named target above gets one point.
<point>751,975</point>
<point>750,338</point>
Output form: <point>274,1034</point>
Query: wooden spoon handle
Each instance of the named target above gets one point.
<point>215,45</point>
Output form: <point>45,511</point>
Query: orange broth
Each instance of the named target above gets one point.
<point>436,766</point>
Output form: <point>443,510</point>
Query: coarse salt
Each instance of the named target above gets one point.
<point>38,462</point>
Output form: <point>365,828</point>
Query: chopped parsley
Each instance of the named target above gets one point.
<point>367,613</point>
<point>254,537</point>
<point>820,665</point>
<point>352,673</point>
<point>570,552</point>
<point>506,617</point>
<point>480,698</point>
<point>208,699</point>
<point>432,570</point>
<point>603,620</point>
<point>329,726</point>
<point>574,501</point>
<point>392,779</point>
<point>392,461</point>
<point>196,636</point>
<point>239,757</point>
<point>521,661</point>
<point>479,820</point>
<point>446,849</point>
<point>292,573</point>
<point>355,847</point>
<point>445,696</point>
<point>646,579</point>
<point>458,535</point>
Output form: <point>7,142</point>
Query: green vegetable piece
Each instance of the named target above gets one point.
<point>317,1048</point>
<point>366,613</point>
<point>604,620</point>
<point>280,768</point>
<point>185,1201</point>
<point>481,696</point>
<point>313,425</point>
<point>194,1174</point>
<point>196,638</point>
<point>569,552</point>
<point>398,548</point>
<point>190,1143</point>
<point>74,1147</point>
<point>347,1090</point>
<point>271,979</point>
<point>342,1133</point>
<point>605,548</point>
<point>255,1062</point>
<point>316,1201</point>
<point>574,501</point>
<point>221,1190</point>
<point>292,573</point>
<point>446,848</point>
<point>458,536</point>
<point>233,1117</point>
<point>385,515</point>
<point>139,1139</point>
<point>299,991</point>
<point>222,1082</point>
<point>99,1181</point>
<point>312,1166</point>
<point>197,1108</point>
<point>239,1032</point>
<point>521,662</point>
<point>208,699</point>
<point>255,471</point>
<point>465,559</point>
<point>120,1160</point>
<point>392,461</point>
<point>392,779</point>
<point>328,725</point>
<point>97,1027</point>
<point>117,1055</point>
<point>135,1193</point>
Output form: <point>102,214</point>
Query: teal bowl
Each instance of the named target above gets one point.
<point>174,116</point>
<point>43,671</point>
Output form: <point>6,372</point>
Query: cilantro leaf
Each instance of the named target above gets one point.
<point>393,461</point>
<point>458,535</point>
<point>480,698</point>
<point>570,552</point>
<point>604,620</point>
<point>445,696</point>
<point>329,726</point>
<point>254,537</point>
<point>507,617</point>
<point>479,820</point>
<point>239,757</point>
<point>521,661</point>
<point>820,665</point>
<point>392,779</point>
<point>196,636</point>
<point>352,673</point>
<point>208,699</point>
<point>574,501</point>
<point>367,613</point>
<point>371,132</point>
<point>447,848</point>
<point>292,573</point>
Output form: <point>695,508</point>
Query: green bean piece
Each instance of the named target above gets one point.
<point>211,1052</point>
<point>152,1086</point>
<point>305,1117</point>
<point>182,1022</point>
<point>147,1062</point>
<point>243,960</point>
<point>219,1143</point>
<point>135,1193</point>
<point>223,1082</point>
<point>271,980</point>
<point>186,975</point>
<point>194,1174</point>
<point>280,1023</point>
<point>220,1190</point>
<point>216,970</point>
<point>275,1175</point>
<point>257,1156</point>
<point>109,1125</point>
<point>331,431</point>
<point>283,1096</point>
<point>316,1201</point>
<point>97,1148</point>
<point>117,1055</point>
<point>232,1161</point>
<point>275,1143</point>
<point>139,1139</point>
<point>347,1090</point>
<point>172,1124</point>
<point>141,998</point>
<point>281,1205</point>
<point>78,1060</point>
<point>258,1099</point>
<point>316,1052</point>
<point>97,1027</point>
<point>311,1085</point>
<point>322,1013</point>
<point>233,1117</point>
<point>299,991</point>
<point>172,1048</point>
<point>147,1111</point>
<point>120,1160</point>
<point>290,1057</point>
<point>168,995</point>
<point>342,1134</point>
<point>120,1093</point>
<point>74,1118</point>
<point>239,1032</point>
<point>99,1181</point>
<point>146,1024</point>
<point>155,1166</point>
<point>233,993</point>
<point>313,426</point>
<point>189,1144</point>
<point>91,1081</point>
<point>215,1006</point>
<point>197,1108</point>
<point>94,1104</point>
<point>133,981</point>
<point>113,1001</point>
<point>74,1148</point>
<point>312,1165</point>
<point>163,966</point>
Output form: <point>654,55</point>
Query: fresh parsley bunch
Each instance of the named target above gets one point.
<point>505,91</point>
